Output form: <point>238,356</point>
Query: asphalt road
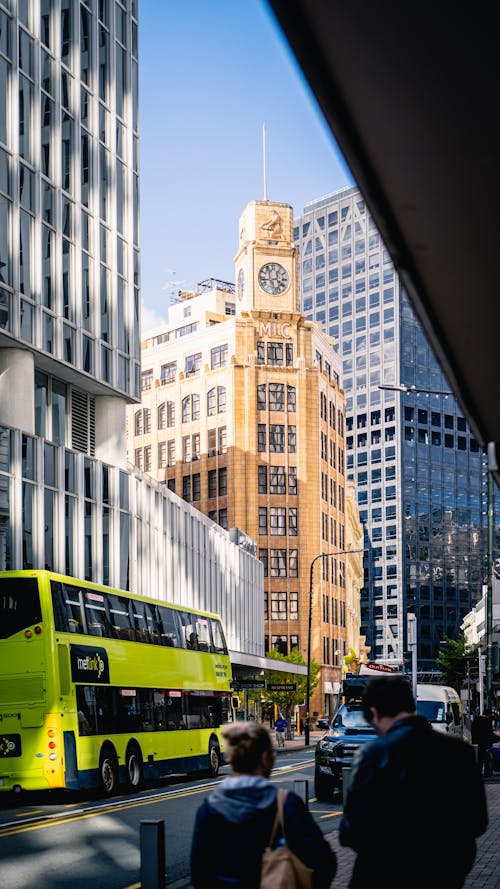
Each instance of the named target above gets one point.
<point>61,841</point>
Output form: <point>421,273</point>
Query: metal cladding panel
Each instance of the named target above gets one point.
<point>203,569</point>
<point>174,552</point>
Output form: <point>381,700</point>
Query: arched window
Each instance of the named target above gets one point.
<point>170,413</point>
<point>211,402</point>
<point>162,415</point>
<point>186,409</point>
<point>138,422</point>
<point>221,399</point>
<point>147,420</point>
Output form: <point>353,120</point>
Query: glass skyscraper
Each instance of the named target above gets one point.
<point>419,472</point>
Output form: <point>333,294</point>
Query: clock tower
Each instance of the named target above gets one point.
<point>266,262</point>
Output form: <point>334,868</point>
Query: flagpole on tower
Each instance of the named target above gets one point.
<point>264,161</point>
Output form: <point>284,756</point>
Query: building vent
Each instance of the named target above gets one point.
<point>83,422</point>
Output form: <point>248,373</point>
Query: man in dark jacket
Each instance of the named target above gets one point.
<point>416,800</point>
<point>233,826</point>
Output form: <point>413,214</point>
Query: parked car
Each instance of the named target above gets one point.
<point>335,751</point>
<point>323,723</point>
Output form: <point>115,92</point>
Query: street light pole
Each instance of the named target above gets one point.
<point>344,552</point>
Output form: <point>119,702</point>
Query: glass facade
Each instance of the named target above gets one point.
<point>69,249</point>
<point>419,472</point>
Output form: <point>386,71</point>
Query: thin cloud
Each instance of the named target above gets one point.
<point>150,320</point>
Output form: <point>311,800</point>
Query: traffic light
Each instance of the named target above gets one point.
<point>235,702</point>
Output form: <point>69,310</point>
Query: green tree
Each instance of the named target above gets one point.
<point>455,659</point>
<point>286,700</point>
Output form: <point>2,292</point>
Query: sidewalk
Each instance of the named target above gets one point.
<point>298,742</point>
<point>486,871</point>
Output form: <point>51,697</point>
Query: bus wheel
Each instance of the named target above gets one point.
<point>108,771</point>
<point>213,759</point>
<point>133,761</point>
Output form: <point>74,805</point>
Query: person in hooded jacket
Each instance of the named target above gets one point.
<point>233,825</point>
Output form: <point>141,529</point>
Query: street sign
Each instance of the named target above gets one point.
<point>376,667</point>
<point>251,683</point>
<point>282,686</point>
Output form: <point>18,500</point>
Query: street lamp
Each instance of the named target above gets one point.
<point>490,452</point>
<point>343,552</point>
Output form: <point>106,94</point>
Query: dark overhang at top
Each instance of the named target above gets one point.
<point>411,94</point>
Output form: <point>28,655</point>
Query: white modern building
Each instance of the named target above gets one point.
<point>474,622</point>
<point>69,326</point>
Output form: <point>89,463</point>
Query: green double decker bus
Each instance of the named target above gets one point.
<point>102,688</point>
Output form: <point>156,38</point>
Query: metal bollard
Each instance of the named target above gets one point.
<point>152,854</point>
<point>346,780</point>
<point>475,748</point>
<point>301,788</point>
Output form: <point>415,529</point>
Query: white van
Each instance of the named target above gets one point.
<point>441,705</point>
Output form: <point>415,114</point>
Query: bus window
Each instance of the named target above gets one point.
<point>153,624</point>
<point>95,614</point>
<point>189,630</point>
<point>160,714</point>
<point>175,718</point>
<point>106,709</point>
<point>218,637</point>
<point>140,615</point>
<point>19,605</point>
<point>203,634</point>
<point>140,625</point>
<point>170,628</point>
<point>146,708</point>
<point>203,709</point>
<point>119,615</point>
<point>86,706</point>
<point>67,607</point>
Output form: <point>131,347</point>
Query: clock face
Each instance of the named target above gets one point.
<point>241,284</point>
<point>273,278</point>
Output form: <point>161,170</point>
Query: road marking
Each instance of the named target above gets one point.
<point>134,886</point>
<point>11,827</point>
<point>33,812</point>
<point>331,815</point>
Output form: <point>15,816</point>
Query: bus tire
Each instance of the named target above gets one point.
<point>134,767</point>
<point>108,770</point>
<point>213,759</point>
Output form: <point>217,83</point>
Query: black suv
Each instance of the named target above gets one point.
<point>335,751</point>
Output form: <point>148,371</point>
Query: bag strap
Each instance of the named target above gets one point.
<point>279,821</point>
<point>282,795</point>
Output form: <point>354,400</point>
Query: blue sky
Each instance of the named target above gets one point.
<point>211,73</point>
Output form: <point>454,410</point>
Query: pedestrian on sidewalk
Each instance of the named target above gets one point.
<point>234,824</point>
<point>484,736</point>
<point>416,800</point>
<point>280,727</point>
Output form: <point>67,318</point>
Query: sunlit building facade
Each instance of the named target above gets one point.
<point>242,415</point>
<point>418,470</point>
